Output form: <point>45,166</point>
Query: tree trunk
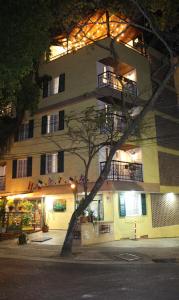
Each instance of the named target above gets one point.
<point>67,245</point>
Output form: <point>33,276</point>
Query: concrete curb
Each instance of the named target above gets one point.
<point>74,261</point>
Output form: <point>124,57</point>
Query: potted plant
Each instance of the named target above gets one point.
<point>90,215</point>
<point>45,228</point>
<point>26,219</point>
<point>2,214</point>
<point>10,204</point>
<point>26,205</point>
<point>84,217</point>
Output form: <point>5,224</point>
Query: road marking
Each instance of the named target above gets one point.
<point>87,296</point>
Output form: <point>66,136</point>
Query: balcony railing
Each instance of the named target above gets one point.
<point>124,171</point>
<point>137,44</point>
<point>117,82</point>
<point>113,122</point>
<point>2,183</point>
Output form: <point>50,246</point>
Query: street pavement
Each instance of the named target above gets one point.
<point>124,270</point>
<point>51,280</point>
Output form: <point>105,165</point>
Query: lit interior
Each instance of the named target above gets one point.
<point>132,155</point>
<point>93,29</point>
<point>132,203</point>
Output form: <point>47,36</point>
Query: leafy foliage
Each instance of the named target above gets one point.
<point>25,36</point>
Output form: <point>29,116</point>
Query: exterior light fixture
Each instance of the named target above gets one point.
<point>73,186</point>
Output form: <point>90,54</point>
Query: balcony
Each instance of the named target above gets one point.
<point>116,86</point>
<point>124,171</point>
<point>2,183</point>
<point>113,122</point>
<point>117,82</point>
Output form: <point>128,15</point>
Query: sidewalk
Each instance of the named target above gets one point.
<point>123,251</point>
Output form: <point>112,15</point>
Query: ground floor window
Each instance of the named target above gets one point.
<point>132,204</point>
<point>96,208</point>
<point>21,214</point>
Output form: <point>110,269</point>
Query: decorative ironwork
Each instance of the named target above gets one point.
<point>117,82</point>
<point>125,171</point>
<point>104,228</point>
<point>113,122</point>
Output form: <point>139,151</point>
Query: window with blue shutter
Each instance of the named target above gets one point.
<point>60,161</point>
<point>29,166</point>
<point>14,168</point>
<point>46,87</point>
<point>143,204</point>
<point>61,86</point>
<point>16,135</point>
<point>122,207</point>
<point>61,120</point>
<point>42,164</point>
<point>31,129</point>
<point>44,125</point>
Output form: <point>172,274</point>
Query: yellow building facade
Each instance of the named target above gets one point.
<point>136,200</point>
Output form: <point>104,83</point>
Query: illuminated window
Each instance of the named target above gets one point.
<point>22,167</point>
<point>51,163</point>
<point>52,123</point>
<point>54,86</point>
<point>132,204</point>
<point>96,208</point>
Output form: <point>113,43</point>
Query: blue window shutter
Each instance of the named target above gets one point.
<point>60,161</point>
<point>143,203</point>
<point>61,120</point>
<point>44,125</point>
<point>61,86</point>
<point>45,88</point>
<point>31,129</point>
<point>14,168</point>
<point>122,207</point>
<point>29,166</point>
<point>42,164</point>
<point>16,136</point>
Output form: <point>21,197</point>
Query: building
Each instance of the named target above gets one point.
<point>140,198</point>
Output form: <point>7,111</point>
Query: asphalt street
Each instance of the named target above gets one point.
<point>30,279</point>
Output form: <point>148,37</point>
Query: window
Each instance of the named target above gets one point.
<point>52,123</point>
<point>52,163</point>
<point>22,167</point>
<point>53,86</point>
<point>132,204</point>
<point>2,169</point>
<point>25,131</point>
<point>96,208</point>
